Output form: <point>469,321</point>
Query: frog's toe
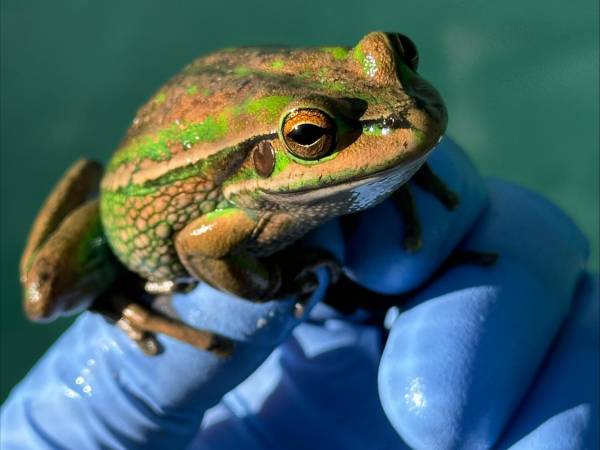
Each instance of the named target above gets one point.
<point>146,341</point>
<point>405,202</point>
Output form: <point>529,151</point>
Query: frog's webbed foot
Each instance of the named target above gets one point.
<point>141,323</point>
<point>146,342</point>
<point>426,179</point>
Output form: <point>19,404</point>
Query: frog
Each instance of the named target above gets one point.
<point>223,171</point>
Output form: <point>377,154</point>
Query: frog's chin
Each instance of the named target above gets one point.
<point>348,196</point>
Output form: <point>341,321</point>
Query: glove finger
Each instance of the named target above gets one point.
<point>458,362</point>
<point>561,411</point>
<point>95,389</point>
<point>318,389</point>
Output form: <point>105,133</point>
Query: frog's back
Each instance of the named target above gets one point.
<point>193,134</point>
<point>220,100</point>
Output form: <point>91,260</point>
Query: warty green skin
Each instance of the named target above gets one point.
<point>188,154</point>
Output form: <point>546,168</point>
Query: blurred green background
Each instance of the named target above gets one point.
<point>520,80</point>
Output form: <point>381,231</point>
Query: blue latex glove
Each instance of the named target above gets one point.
<point>458,369</point>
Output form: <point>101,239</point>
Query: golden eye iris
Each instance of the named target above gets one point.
<point>309,134</point>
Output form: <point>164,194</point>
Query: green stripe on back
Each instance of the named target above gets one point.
<point>156,147</point>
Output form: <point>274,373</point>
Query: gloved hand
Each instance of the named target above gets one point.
<point>469,362</point>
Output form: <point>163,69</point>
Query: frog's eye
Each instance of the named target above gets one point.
<point>308,133</point>
<point>406,49</point>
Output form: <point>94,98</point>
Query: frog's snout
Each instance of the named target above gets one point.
<point>390,60</point>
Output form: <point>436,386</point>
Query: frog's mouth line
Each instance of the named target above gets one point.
<point>393,177</point>
<point>393,121</point>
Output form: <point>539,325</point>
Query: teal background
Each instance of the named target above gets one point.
<point>520,80</point>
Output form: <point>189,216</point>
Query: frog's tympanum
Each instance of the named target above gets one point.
<point>222,171</point>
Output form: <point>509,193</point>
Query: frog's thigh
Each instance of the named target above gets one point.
<point>209,248</point>
<point>75,187</point>
<point>72,267</point>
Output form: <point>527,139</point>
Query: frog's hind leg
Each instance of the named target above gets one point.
<point>426,179</point>
<point>67,266</point>
<point>67,262</point>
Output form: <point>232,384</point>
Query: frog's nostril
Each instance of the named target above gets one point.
<point>405,48</point>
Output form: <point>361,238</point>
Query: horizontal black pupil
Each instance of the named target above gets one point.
<point>306,134</point>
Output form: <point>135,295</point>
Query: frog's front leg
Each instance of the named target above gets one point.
<point>214,248</point>
<point>426,179</point>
